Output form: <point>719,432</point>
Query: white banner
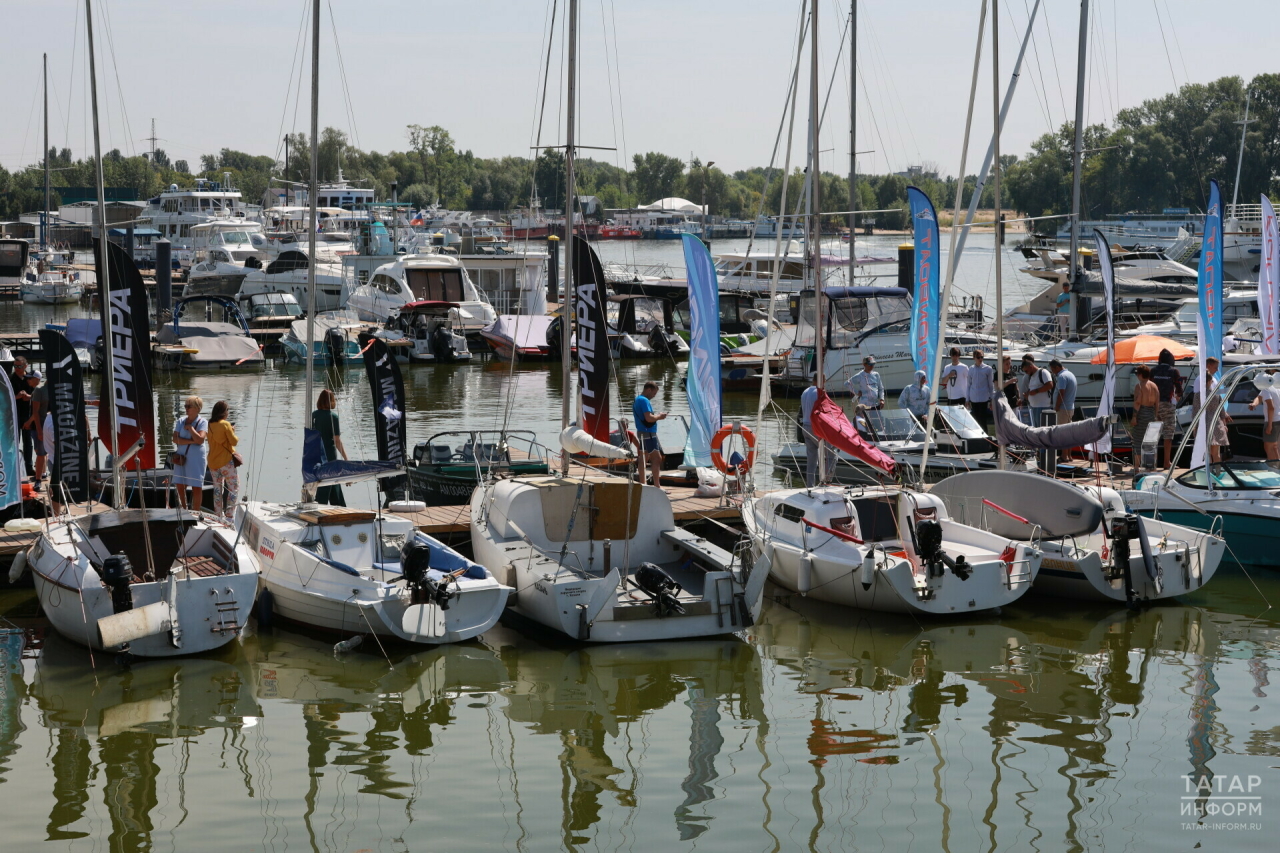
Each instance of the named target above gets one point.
<point>1107,403</point>
<point>1269,280</point>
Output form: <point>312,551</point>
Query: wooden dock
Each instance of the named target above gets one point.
<point>13,542</point>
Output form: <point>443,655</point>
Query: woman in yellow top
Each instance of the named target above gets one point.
<point>222,465</point>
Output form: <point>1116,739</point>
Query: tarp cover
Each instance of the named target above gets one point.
<point>830,424</point>
<point>524,331</point>
<point>1091,285</point>
<point>317,469</point>
<point>1010,430</point>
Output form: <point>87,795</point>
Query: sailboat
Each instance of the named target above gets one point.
<point>881,547</point>
<point>599,558</point>
<point>362,571</point>
<point>152,582</point>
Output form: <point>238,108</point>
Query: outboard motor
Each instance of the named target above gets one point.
<point>661,587</point>
<point>658,341</point>
<point>335,342</point>
<point>1124,530</point>
<point>442,344</point>
<point>553,335</point>
<point>415,562</point>
<point>117,574</point>
<point>929,547</point>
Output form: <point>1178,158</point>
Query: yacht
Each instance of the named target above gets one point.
<point>206,333</point>
<point>418,278</point>
<point>752,270</point>
<point>176,211</point>
<point>222,253</point>
<point>55,287</point>
<point>288,274</point>
<point>423,332</point>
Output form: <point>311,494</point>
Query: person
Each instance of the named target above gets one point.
<point>1211,402</point>
<point>1169,383</point>
<point>39,401</point>
<point>222,463</point>
<point>22,396</point>
<point>325,421</point>
<point>955,376</point>
<point>1146,397</point>
<point>915,397</point>
<point>50,449</point>
<point>812,447</point>
<point>1010,389</point>
<point>866,387</point>
<point>1064,310</point>
<point>647,431</point>
<point>1269,399</point>
<point>982,388</point>
<point>1064,392</point>
<point>1038,388</point>
<point>190,453</point>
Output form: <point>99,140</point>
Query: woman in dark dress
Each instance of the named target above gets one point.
<point>325,421</point>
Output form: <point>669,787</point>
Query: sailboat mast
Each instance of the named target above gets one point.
<point>1077,155</point>
<point>104,269</point>
<point>311,212</point>
<point>997,117</point>
<point>815,194</point>
<point>567,301</point>
<point>1235,192</point>
<point>44,222</point>
<point>853,135</point>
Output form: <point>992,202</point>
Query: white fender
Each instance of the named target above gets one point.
<point>19,566</point>
<point>867,571</point>
<point>120,628</point>
<point>804,574</point>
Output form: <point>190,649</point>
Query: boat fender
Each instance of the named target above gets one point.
<point>717,453</point>
<point>407,506</point>
<point>265,608</point>
<point>348,645</point>
<point>867,571</point>
<point>19,566</point>
<point>804,574</point>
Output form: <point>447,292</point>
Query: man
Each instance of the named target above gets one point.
<point>647,431</point>
<point>866,387</point>
<point>1206,397</point>
<point>1269,399</point>
<point>35,423</point>
<point>1146,397</point>
<point>1064,392</point>
<point>955,377</point>
<point>22,394</point>
<point>1039,388</point>
<point>1011,390</point>
<point>982,388</point>
<point>1169,383</point>
<point>812,447</point>
<point>1064,310</point>
<point>915,397</point>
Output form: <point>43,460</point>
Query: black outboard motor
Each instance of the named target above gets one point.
<point>929,547</point>
<point>1124,530</point>
<point>415,561</point>
<point>117,573</point>
<point>661,587</point>
<point>658,341</point>
<point>553,336</point>
<point>442,344</point>
<point>335,341</point>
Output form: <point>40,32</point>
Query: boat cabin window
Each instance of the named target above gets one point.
<point>848,317</point>
<point>961,422</point>
<point>386,284</point>
<point>436,285</point>
<point>787,512</point>
<point>235,236</point>
<point>12,259</point>
<point>1256,476</point>
<point>877,519</point>
<point>287,262</point>
<point>893,424</point>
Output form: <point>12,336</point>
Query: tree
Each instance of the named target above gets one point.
<point>656,176</point>
<point>181,166</point>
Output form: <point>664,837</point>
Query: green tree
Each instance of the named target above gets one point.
<point>657,176</point>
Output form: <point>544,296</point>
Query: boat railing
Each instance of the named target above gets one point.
<point>1245,212</point>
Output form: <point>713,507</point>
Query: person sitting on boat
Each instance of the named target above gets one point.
<point>915,397</point>
<point>1169,383</point>
<point>982,389</point>
<point>867,387</point>
<point>1064,392</point>
<point>1039,388</point>
<point>955,377</point>
<point>190,453</point>
<point>1269,399</point>
<point>647,430</point>
<point>325,421</point>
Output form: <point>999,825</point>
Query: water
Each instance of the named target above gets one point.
<point>1046,727</point>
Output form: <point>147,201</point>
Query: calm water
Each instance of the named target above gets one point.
<point>1043,728</point>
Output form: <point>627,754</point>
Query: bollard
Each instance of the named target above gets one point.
<point>553,268</point>
<point>164,277</point>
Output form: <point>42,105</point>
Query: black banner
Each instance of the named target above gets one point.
<point>128,389</point>
<point>64,383</point>
<point>387,387</point>
<point>592,339</point>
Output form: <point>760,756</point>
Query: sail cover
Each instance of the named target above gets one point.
<point>702,382</point>
<point>1010,430</point>
<point>1269,280</point>
<point>387,387</point>
<point>593,339</point>
<point>11,470</point>
<point>66,398</point>
<point>830,424</point>
<point>129,392</point>
<point>317,469</point>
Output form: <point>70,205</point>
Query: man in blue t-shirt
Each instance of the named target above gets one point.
<point>1064,392</point>
<point>1064,310</point>
<point>647,430</point>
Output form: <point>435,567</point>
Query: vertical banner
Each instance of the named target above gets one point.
<point>65,384</point>
<point>1209,323</point>
<point>387,388</point>
<point>127,330</point>
<point>1269,280</point>
<point>928,295</point>
<point>1107,404</point>
<point>592,340</point>
<point>702,382</point>
<point>12,472</point>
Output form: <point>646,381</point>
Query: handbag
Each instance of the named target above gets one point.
<point>236,459</point>
<point>178,458</point>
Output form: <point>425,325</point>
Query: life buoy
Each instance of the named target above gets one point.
<point>717,456</point>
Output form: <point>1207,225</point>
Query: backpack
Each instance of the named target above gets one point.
<point>1168,382</point>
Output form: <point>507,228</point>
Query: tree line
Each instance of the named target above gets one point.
<point>1159,154</point>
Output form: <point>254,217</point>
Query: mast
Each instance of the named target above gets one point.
<point>998,118</point>
<point>1077,155</point>
<point>567,300</point>
<point>853,136</point>
<point>311,211</point>
<point>815,198</point>
<point>44,222</point>
<point>104,270</point>
<point>1235,192</point>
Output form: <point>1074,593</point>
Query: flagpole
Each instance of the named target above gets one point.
<point>311,211</point>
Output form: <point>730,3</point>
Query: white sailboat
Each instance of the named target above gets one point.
<point>155,583</point>
<point>594,557</point>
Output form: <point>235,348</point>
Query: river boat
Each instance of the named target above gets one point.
<point>424,332</point>
<point>206,333</point>
<point>55,287</point>
<point>421,278</point>
<point>287,273</point>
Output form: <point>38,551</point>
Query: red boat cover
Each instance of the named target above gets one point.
<point>830,424</point>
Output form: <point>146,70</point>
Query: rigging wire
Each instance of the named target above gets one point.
<point>342,75</point>
<point>105,14</point>
<point>294,64</point>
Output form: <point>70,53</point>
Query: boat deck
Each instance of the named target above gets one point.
<point>13,542</point>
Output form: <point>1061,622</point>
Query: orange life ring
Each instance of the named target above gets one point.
<point>717,456</point>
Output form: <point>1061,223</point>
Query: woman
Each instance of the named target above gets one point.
<point>190,453</point>
<point>222,464</point>
<point>325,421</point>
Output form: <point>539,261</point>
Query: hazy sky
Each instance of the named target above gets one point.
<point>704,78</point>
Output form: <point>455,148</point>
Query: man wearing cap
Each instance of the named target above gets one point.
<point>1039,388</point>
<point>982,388</point>
<point>955,378</point>
<point>34,425</point>
<point>866,387</point>
<point>915,397</point>
<point>22,394</point>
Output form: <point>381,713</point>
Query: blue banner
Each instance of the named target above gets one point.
<point>1210,278</point>
<point>702,382</point>
<point>928,295</point>
<point>316,468</point>
<point>11,471</point>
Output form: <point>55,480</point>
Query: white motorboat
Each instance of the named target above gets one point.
<point>424,332</point>
<point>206,333</point>
<point>335,342</point>
<point>288,274</point>
<point>421,278</point>
<point>57,287</point>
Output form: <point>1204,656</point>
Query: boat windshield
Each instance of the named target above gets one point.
<point>1254,476</point>
<point>961,422</point>
<point>893,425</point>
<point>235,236</point>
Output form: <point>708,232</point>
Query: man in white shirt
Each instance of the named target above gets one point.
<point>982,389</point>
<point>1039,393</point>
<point>867,387</point>
<point>955,378</point>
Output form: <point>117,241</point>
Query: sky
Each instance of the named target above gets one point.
<point>689,78</point>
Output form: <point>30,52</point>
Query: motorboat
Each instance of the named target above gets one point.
<point>423,332</point>
<point>522,337</point>
<point>175,211</point>
<point>421,278</point>
<point>288,274</point>
<point>223,252</point>
<point>446,468</point>
<point>85,336</point>
<point>54,287</point>
<point>206,333</point>
<point>335,342</point>
<point>642,327</point>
